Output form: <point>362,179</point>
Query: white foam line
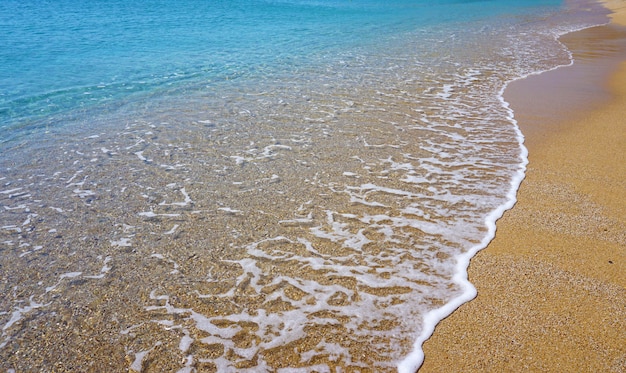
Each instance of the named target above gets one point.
<point>27,221</point>
<point>19,194</point>
<point>184,203</point>
<point>151,214</point>
<point>375,188</point>
<point>268,150</point>
<point>173,230</point>
<point>137,365</point>
<point>83,193</point>
<point>122,242</point>
<point>17,314</point>
<point>70,275</point>
<point>141,157</point>
<point>414,360</point>
<point>19,207</point>
<point>12,228</point>
<point>239,160</point>
<point>10,191</point>
<point>298,221</point>
<point>229,210</point>
<point>74,176</point>
<point>185,341</point>
<point>139,141</point>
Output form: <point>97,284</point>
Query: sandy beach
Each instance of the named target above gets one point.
<point>552,284</point>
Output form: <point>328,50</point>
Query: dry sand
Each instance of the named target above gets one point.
<point>552,284</point>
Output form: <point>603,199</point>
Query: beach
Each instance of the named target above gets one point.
<point>299,186</point>
<point>552,284</point>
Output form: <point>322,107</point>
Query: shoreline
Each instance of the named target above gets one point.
<point>562,245</point>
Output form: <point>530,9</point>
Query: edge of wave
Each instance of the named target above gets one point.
<point>412,362</point>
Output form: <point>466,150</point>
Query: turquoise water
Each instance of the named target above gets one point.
<point>254,185</point>
<point>64,55</point>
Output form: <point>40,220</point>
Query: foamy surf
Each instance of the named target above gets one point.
<point>308,214</point>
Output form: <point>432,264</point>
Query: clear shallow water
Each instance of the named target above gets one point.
<point>257,185</point>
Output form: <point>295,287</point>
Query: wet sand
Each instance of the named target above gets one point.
<point>552,284</point>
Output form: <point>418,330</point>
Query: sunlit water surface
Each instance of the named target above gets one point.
<point>252,185</point>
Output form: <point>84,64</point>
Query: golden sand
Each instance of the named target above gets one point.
<point>552,284</point>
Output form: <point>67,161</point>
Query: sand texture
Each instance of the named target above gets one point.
<point>552,284</point>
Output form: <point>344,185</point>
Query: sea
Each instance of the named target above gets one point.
<point>254,185</point>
